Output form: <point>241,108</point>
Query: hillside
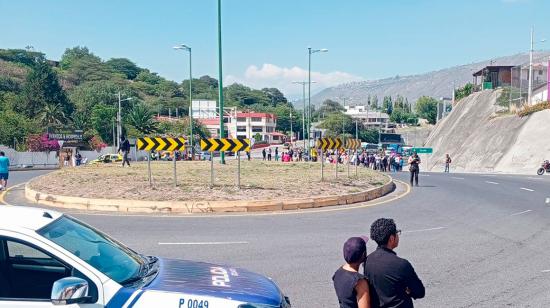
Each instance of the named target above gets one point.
<point>435,84</point>
<point>478,141</point>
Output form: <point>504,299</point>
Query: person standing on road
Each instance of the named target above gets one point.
<point>4,170</point>
<point>414,167</point>
<point>264,153</point>
<point>276,154</point>
<point>352,288</point>
<point>447,162</point>
<point>392,280</point>
<point>125,149</point>
<point>269,154</point>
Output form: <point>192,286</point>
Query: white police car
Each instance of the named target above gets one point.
<point>49,259</point>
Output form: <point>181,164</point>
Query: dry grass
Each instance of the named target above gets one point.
<point>259,181</point>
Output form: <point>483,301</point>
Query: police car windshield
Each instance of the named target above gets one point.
<point>108,256</point>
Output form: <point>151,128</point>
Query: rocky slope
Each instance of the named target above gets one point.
<point>479,140</point>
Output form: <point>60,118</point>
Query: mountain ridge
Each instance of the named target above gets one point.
<point>438,83</point>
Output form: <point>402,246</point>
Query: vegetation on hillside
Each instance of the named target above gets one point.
<point>80,92</point>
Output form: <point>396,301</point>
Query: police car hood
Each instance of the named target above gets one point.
<point>215,280</point>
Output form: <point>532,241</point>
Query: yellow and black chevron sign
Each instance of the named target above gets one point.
<point>161,143</point>
<point>225,144</point>
<point>353,144</point>
<point>329,143</point>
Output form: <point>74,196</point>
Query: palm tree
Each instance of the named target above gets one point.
<point>81,120</point>
<point>141,118</point>
<point>52,114</point>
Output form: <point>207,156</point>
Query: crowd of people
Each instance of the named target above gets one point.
<point>291,155</point>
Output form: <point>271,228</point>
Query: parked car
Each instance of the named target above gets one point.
<point>107,158</point>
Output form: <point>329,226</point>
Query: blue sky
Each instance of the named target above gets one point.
<point>265,42</point>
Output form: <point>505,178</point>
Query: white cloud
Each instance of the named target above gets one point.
<point>273,76</point>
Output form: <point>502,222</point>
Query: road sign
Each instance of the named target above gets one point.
<point>329,143</point>
<point>161,143</point>
<point>422,150</point>
<point>225,144</point>
<point>353,144</point>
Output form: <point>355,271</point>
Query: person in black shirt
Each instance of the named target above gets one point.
<point>414,167</point>
<point>392,280</point>
<point>351,287</point>
<point>125,149</point>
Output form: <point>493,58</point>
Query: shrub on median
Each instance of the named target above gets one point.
<point>527,110</point>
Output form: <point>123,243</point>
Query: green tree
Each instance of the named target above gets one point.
<point>89,94</point>
<point>463,92</point>
<point>328,107</point>
<point>75,54</point>
<point>16,127</point>
<point>124,66</point>
<point>142,119</point>
<point>25,57</point>
<point>52,115</point>
<point>369,135</point>
<point>426,107</point>
<point>337,124</point>
<point>41,88</point>
<point>274,96</point>
<point>387,105</point>
<point>103,118</point>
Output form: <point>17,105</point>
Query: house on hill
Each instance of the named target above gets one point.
<point>493,76</point>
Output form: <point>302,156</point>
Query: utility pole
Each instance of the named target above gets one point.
<point>291,127</point>
<point>530,78</point>
<point>119,122</point>
<point>220,76</point>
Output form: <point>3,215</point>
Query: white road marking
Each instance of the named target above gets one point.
<point>547,200</point>
<point>457,178</point>
<point>423,230</point>
<point>489,182</point>
<point>204,243</point>
<point>424,174</point>
<point>527,211</point>
<point>526,189</point>
<point>489,175</point>
<point>532,178</point>
<point>546,271</point>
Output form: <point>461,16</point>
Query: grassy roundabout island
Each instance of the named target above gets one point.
<point>260,180</point>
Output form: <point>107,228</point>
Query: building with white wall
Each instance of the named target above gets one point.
<point>369,118</point>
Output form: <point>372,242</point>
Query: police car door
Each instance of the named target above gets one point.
<point>28,273</point>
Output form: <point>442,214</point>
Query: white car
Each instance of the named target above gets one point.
<point>48,259</point>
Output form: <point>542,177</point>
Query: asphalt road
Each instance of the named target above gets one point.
<point>475,240</point>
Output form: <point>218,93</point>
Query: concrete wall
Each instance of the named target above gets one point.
<point>44,159</point>
<point>475,139</point>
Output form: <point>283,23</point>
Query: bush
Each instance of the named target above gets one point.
<point>527,110</point>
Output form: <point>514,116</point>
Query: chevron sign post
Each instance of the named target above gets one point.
<point>161,144</point>
<point>353,144</point>
<point>328,144</point>
<point>225,145</point>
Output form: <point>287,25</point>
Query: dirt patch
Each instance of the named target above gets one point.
<point>259,181</point>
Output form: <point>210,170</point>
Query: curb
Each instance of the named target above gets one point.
<point>194,207</point>
<point>33,169</point>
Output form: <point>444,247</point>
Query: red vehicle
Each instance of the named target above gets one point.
<point>544,167</point>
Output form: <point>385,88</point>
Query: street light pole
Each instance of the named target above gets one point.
<point>191,137</point>
<point>303,83</point>
<point>310,51</point>
<point>220,75</point>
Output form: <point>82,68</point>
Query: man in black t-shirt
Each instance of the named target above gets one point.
<point>392,280</point>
